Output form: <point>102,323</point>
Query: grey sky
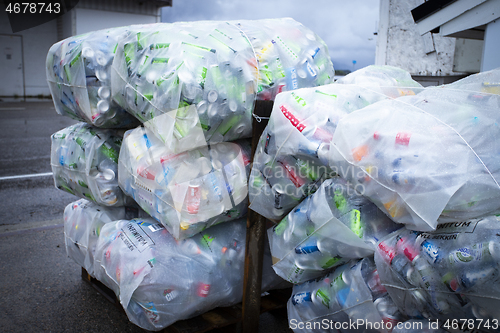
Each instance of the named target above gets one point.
<point>346,26</point>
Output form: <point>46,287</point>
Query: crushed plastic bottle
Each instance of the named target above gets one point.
<point>84,162</point>
<point>327,229</point>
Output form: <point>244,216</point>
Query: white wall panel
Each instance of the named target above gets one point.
<point>88,20</point>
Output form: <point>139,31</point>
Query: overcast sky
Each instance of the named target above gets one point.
<point>346,26</point>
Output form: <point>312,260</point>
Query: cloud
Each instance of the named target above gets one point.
<point>347,27</point>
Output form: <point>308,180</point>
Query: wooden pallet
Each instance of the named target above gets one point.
<point>223,319</point>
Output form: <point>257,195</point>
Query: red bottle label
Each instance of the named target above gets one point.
<point>403,138</point>
<point>145,173</point>
<point>203,289</point>
<point>293,120</point>
<point>193,199</point>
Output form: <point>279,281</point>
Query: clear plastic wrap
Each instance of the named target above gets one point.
<point>84,162</point>
<point>83,221</point>
<point>348,299</point>
<point>288,163</point>
<point>327,229</point>
<point>189,191</point>
<point>429,158</point>
<point>448,274</point>
<point>78,72</point>
<point>394,81</point>
<point>196,82</point>
<point>160,280</point>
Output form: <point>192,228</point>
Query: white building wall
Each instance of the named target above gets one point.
<point>399,43</point>
<point>491,51</point>
<point>68,26</point>
<point>36,42</point>
<point>88,20</point>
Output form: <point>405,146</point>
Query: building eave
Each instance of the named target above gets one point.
<point>456,18</point>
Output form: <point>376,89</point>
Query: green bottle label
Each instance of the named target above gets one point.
<point>82,184</point>
<point>81,143</point>
<point>281,227</point>
<point>340,201</point>
<point>109,152</point>
<point>356,226</point>
<point>331,262</point>
<point>75,59</point>
<point>323,296</point>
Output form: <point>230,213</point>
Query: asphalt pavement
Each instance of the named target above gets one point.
<point>42,289</point>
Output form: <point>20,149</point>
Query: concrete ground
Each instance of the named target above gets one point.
<point>42,289</point>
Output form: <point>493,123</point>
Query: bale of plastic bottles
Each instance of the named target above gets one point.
<point>189,191</point>
<point>347,299</point>
<point>83,221</point>
<point>449,274</point>
<point>327,229</point>
<point>219,68</point>
<point>78,72</point>
<point>289,162</point>
<point>430,158</point>
<point>84,162</point>
<point>153,71</point>
<point>160,280</point>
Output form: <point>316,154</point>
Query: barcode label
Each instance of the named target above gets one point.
<point>156,227</point>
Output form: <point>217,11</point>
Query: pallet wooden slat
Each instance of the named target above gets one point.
<point>256,228</point>
<point>223,318</point>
